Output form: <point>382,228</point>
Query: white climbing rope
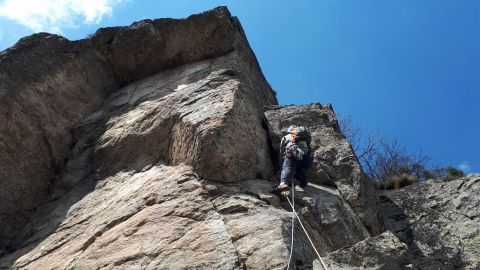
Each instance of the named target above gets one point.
<point>293,224</point>
<point>309,239</point>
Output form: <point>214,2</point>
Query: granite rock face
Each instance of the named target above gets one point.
<point>439,222</point>
<point>384,251</point>
<point>148,147</point>
<point>129,221</point>
<point>334,162</point>
<point>49,84</point>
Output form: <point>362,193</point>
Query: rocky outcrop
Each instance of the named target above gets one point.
<point>147,147</point>
<point>334,162</point>
<point>125,174</point>
<point>439,222</point>
<point>166,217</point>
<point>384,251</point>
<point>48,84</point>
<point>128,220</point>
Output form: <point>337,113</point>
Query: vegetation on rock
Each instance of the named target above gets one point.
<point>388,163</point>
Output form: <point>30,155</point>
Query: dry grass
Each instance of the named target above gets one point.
<point>398,181</point>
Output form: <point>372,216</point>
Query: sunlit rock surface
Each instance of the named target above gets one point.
<point>153,146</point>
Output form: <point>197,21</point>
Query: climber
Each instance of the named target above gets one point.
<point>295,152</point>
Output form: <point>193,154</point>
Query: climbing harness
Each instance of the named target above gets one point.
<point>292,204</point>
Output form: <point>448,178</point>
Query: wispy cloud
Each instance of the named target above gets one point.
<point>465,166</point>
<point>56,15</point>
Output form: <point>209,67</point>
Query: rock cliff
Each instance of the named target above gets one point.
<point>154,146</point>
<point>49,85</point>
<point>439,221</point>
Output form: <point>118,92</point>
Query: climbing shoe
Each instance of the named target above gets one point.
<point>283,186</point>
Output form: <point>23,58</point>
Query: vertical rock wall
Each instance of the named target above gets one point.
<point>48,84</point>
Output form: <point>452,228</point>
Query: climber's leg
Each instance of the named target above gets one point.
<point>301,170</point>
<point>287,173</point>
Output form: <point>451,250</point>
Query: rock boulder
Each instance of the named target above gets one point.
<point>383,252</point>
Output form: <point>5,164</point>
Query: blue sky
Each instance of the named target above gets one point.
<point>409,69</point>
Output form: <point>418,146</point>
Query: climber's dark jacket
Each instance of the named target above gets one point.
<point>294,164</point>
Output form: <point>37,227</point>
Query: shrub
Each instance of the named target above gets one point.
<point>388,163</point>
<point>382,157</point>
<point>453,173</point>
<point>398,181</point>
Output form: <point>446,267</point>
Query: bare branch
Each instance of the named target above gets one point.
<point>382,158</point>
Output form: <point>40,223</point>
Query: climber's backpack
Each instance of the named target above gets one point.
<point>302,138</point>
